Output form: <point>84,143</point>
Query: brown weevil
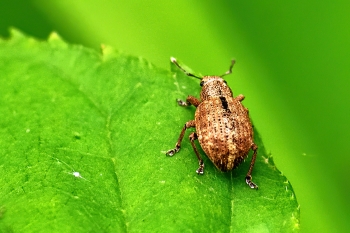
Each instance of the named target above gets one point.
<point>222,123</point>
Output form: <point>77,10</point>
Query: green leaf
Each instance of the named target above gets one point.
<point>83,136</point>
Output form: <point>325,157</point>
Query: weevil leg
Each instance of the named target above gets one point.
<point>191,100</point>
<point>188,124</point>
<point>240,98</point>
<point>183,103</point>
<point>200,170</point>
<point>248,178</point>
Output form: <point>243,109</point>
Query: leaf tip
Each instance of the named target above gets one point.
<point>15,33</point>
<point>295,220</point>
<point>108,52</point>
<point>54,36</point>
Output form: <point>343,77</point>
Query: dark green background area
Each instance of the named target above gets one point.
<point>292,66</point>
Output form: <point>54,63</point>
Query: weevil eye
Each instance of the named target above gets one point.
<point>201,83</point>
<point>225,81</point>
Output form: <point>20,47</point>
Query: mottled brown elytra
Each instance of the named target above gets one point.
<point>223,126</point>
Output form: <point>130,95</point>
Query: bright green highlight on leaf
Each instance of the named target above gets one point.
<point>83,136</point>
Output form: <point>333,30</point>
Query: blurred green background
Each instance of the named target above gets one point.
<point>292,66</point>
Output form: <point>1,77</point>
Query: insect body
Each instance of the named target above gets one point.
<point>222,123</point>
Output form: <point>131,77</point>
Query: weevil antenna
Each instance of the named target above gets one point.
<point>173,60</point>
<point>230,69</point>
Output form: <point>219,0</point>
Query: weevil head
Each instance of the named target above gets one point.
<point>214,86</point>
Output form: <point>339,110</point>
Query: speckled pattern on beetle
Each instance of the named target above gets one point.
<point>223,126</point>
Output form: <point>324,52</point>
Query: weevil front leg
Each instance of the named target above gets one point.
<point>190,100</point>
<point>248,178</point>
<point>240,98</point>
<point>188,124</point>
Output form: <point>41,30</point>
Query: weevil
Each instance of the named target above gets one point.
<point>223,127</point>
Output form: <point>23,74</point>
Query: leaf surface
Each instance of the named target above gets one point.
<point>83,135</point>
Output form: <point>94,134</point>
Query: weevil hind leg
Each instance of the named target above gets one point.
<point>200,170</point>
<point>188,124</point>
<point>248,178</point>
